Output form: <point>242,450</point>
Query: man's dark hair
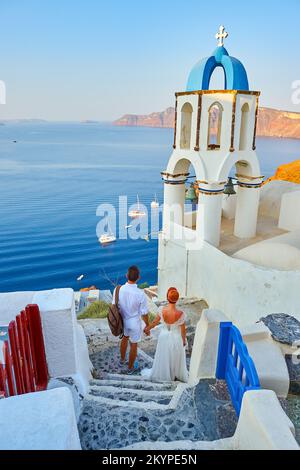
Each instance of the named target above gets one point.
<point>133,273</point>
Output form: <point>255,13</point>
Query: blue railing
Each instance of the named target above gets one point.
<point>235,365</point>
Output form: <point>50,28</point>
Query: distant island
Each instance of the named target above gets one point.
<point>271,122</point>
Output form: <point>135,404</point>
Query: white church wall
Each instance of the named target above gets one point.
<point>243,291</point>
<point>171,266</point>
<point>190,219</point>
<point>271,195</point>
<point>39,421</point>
<point>276,253</point>
<point>290,206</point>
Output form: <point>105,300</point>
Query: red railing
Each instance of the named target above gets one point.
<point>24,368</point>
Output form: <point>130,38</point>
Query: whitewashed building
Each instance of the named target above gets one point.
<point>212,252</point>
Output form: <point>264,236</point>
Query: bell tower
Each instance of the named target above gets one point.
<point>215,131</point>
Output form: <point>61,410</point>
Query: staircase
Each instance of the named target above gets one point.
<point>122,410</point>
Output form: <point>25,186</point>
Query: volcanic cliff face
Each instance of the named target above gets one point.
<point>274,123</point>
<point>163,119</point>
<point>271,122</point>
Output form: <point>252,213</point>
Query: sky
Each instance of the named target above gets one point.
<point>99,59</point>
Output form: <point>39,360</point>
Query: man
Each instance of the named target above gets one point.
<point>134,308</point>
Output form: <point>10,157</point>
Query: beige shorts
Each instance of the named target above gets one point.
<point>133,329</point>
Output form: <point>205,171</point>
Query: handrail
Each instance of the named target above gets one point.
<point>235,365</point>
<point>24,368</point>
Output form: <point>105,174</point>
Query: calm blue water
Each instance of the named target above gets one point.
<point>51,183</point>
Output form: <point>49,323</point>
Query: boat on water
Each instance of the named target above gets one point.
<point>107,237</point>
<point>135,213</point>
<point>155,203</point>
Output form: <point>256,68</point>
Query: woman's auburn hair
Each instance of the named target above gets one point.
<point>172,295</point>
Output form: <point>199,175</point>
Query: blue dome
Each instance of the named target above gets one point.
<point>235,73</point>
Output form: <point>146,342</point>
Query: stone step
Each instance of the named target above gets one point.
<point>157,400</point>
<point>123,377</point>
<point>110,424</point>
<point>134,384</point>
<point>118,403</point>
<point>201,413</point>
<point>128,394</point>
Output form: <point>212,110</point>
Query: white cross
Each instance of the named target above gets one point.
<point>221,35</point>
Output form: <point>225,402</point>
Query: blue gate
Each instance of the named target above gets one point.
<point>235,365</point>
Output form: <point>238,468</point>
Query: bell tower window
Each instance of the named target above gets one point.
<point>215,114</point>
<point>186,126</point>
<point>244,127</point>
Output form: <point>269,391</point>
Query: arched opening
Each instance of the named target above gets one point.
<point>186,126</point>
<point>244,126</point>
<point>215,114</point>
<point>240,207</point>
<point>218,79</point>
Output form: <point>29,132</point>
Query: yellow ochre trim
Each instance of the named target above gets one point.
<point>210,92</point>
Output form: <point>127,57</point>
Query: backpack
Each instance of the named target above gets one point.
<point>114,317</point>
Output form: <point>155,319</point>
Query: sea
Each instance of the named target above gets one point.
<point>54,180</point>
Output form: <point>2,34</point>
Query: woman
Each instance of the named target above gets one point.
<point>169,361</point>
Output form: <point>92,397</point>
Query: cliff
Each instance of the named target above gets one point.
<point>275,123</point>
<point>288,172</point>
<point>163,119</point>
<point>271,122</point>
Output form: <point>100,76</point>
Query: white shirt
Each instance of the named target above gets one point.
<point>132,302</point>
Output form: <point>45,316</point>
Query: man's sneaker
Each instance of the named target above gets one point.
<point>135,370</point>
<point>121,363</point>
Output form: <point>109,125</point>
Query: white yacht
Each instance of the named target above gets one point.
<point>155,203</point>
<point>107,237</point>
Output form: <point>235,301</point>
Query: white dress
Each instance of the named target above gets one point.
<point>170,360</point>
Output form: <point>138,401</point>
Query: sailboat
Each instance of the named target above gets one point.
<point>155,203</point>
<point>135,213</point>
<point>107,237</point>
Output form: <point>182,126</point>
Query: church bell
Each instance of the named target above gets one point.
<point>191,193</point>
<point>229,188</point>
